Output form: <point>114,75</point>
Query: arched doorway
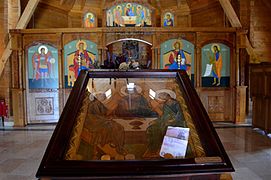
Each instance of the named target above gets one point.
<point>136,53</point>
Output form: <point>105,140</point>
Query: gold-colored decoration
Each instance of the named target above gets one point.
<point>77,130</point>
<point>213,46</point>
<point>81,42</point>
<point>202,160</point>
<point>177,42</point>
<point>194,140</point>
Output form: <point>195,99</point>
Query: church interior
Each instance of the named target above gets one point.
<point>221,46</point>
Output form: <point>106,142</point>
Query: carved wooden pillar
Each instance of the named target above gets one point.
<point>158,50</point>
<point>18,94</point>
<point>14,77</point>
<point>197,61</point>
<point>189,18</point>
<point>237,67</point>
<point>17,88</point>
<point>60,62</point>
<point>14,70</point>
<point>154,58</point>
<point>240,104</point>
<point>240,94</point>
<point>101,48</point>
<point>61,90</point>
<point>242,62</point>
<point>100,55</point>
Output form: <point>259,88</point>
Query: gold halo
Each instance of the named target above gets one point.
<point>45,48</point>
<point>177,41</point>
<point>168,91</point>
<point>89,13</point>
<point>139,7</point>
<point>168,13</point>
<point>118,6</point>
<point>212,48</point>
<point>79,42</point>
<point>128,4</point>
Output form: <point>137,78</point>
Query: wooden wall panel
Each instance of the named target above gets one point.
<point>212,16</point>
<point>48,17</point>
<point>218,103</point>
<point>261,96</point>
<point>4,25</point>
<point>53,39</point>
<point>258,81</point>
<point>268,114</point>
<point>258,113</point>
<point>268,83</point>
<point>260,29</point>
<point>5,77</point>
<point>244,13</point>
<point>183,21</point>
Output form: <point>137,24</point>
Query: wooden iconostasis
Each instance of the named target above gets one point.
<point>50,64</point>
<point>46,62</point>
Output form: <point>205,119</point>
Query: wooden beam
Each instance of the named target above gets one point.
<point>230,13</point>
<point>254,57</point>
<point>27,14</point>
<point>14,13</point>
<point>7,52</point>
<point>22,24</point>
<point>235,22</point>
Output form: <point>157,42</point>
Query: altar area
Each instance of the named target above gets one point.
<point>46,62</point>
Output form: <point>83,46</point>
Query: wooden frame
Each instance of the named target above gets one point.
<point>53,163</point>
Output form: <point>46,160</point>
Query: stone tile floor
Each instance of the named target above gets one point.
<point>21,150</point>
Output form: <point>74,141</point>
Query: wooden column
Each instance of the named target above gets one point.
<point>240,91</point>
<point>60,62</point>
<point>158,50</point>
<point>18,95</point>
<point>154,57</point>
<point>240,115</point>
<point>197,62</point>
<point>237,69</point>
<point>100,55</point>
<point>154,51</point>
<point>18,107</point>
<point>61,90</point>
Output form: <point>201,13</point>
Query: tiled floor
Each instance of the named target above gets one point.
<point>249,151</point>
<point>21,152</point>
